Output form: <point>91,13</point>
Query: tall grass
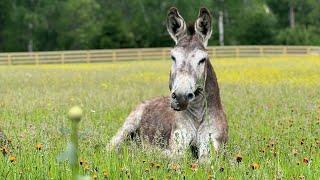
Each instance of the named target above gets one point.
<point>272,105</point>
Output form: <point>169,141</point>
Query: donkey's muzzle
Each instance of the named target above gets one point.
<point>179,102</point>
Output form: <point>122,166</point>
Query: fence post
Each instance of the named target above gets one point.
<point>237,52</point>
<point>9,59</point>
<point>163,54</point>
<point>308,50</point>
<point>213,52</point>
<point>62,57</point>
<point>285,50</point>
<point>88,57</point>
<point>139,54</point>
<point>114,56</point>
<point>37,58</point>
<point>261,51</point>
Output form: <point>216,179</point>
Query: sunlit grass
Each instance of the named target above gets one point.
<point>272,104</point>
<point>271,70</point>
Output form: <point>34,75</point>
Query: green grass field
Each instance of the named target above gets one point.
<point>272,105</point>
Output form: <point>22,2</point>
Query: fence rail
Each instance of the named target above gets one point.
<point>93,56</point>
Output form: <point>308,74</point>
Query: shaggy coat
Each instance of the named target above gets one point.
<point>193,120</point>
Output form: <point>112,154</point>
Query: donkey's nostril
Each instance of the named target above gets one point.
<point>173,95</point>
<point>190,96</point>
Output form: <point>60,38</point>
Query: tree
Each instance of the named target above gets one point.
<point>25,25</point>
<point>41,25</point>
<point>292,14</point>
<point>77,24</point>
<point>5,7</point>
<point>302,17</point>
<point>295,36</point>
<point>255,25</point>
<point>114,33</point>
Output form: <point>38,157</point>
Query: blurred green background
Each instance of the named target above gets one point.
<point>41,25</point>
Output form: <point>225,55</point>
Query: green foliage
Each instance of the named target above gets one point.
<point>256,26</point>
<point>4,14</point>
<point>77,24</point>
<point>299,36</point>
<point>258,30</point>
<point>114,34</point>
<point>93,24</point>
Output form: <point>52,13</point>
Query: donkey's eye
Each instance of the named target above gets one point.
<point>202,61</point>
<point>173,58</point>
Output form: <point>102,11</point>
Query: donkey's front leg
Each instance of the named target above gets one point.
<point>131,124</point>
<point>179,142</point>
<point>206,140</point>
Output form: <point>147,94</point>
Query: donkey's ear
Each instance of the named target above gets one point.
<point>203,25</point>
<point>176,25</point>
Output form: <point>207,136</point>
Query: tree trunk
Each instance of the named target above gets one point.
<point>30,28</point>
<point>30,42</point>
<point>30,45</point>
<point>143,12</point>
<point>291,15</point>
<point>221,30</point>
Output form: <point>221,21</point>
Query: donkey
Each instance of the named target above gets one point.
<point>196,118</point>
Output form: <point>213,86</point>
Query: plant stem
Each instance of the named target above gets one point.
<point>75,144</point>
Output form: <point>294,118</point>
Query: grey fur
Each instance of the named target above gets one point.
<point>196,121</point>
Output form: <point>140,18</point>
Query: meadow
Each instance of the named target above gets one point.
<point>272,105</point>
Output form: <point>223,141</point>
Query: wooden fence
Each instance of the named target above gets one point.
<point>93,56</point>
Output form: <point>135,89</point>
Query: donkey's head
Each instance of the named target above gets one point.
<point>188,71</point>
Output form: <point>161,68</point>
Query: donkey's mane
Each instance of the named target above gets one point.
<point>191,40</point>
<point>190,29</point>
